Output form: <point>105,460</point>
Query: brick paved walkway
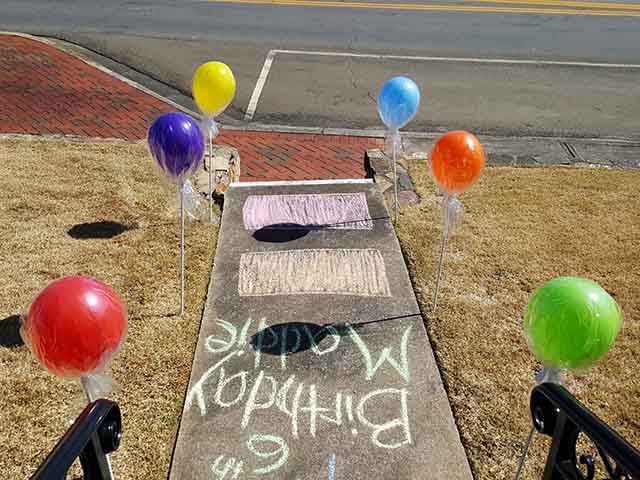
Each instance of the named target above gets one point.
<point>278,156</point>
<point>44,90</point>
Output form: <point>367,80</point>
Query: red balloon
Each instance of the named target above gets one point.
<point>75,326</point>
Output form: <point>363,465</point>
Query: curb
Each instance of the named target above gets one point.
<point>67,138</point>
<point>433,135</point>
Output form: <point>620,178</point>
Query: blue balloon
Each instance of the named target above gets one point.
<point>398,102</point>
<point>177,144</point>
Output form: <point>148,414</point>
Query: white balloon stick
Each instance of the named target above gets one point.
<point>395,139</point>
<point>210,176</point>
<point>182,247</point>
<point>546,375</point>
<point>212,132</point>
<point>450,206</point>
<point>523,458</point>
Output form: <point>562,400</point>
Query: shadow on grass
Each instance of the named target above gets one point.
<point>10,332</point>
<point>99,230</point>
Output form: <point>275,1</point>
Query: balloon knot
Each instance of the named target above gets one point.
<point>210,126</point>
<point>394,135</point>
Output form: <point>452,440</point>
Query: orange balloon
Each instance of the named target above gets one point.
<point>457,159</point>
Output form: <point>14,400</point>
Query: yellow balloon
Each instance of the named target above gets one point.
<point>213,87</point>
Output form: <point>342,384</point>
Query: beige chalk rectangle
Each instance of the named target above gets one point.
<point>320,272</point>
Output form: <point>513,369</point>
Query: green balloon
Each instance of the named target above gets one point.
<point>571,322</point>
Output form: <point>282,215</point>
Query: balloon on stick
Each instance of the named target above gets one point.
<point>570,323</point>
<point>74,327</point>
<point>457,159</point>
<point>214,87</point>
<point>398,103</point>
<point>177,144</point>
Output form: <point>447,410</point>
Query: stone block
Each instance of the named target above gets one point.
<point>225,167</point>
<point>376,163</point>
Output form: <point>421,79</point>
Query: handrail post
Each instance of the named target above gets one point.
<point>556,413</point>
<point>96,432</point>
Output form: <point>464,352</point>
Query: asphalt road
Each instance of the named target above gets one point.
<point>168,39</point>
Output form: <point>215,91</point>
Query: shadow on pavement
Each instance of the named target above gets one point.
<point>293,337</point>
<point>280,233</point>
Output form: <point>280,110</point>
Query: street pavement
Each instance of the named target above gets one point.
<point>167,40</point>
<point>340,91</point>
<point>557,29</point>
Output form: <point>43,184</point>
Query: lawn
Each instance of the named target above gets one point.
<point>46,189</point>
<point>520,228</point>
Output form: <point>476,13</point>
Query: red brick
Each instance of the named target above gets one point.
<point>50,91</point>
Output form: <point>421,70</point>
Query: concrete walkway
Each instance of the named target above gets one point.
<point>313,361</point>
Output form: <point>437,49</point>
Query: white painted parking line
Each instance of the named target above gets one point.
<point>503,61</point>
<point>257,91</point>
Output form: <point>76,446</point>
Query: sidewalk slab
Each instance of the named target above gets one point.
<point>327,376</point>
<point>540,151</point>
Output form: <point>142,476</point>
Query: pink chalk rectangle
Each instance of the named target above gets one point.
<point>342,211</point>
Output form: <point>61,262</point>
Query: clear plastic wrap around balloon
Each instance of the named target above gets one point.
<point>96,386</point>
<point>571,322</point>
<point>550,375</point>
<point>393,141</point>
<point>75,326</point>
<point>194,205</point>
<point>451,206</point>
<point>210,127</point>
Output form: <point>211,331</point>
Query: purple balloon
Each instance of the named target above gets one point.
<point>177,144</point>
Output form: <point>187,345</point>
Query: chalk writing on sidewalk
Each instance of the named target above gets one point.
<point>307,407</point>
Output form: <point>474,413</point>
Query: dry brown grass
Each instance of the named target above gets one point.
<point>520,228</point>
<point>47,187</point>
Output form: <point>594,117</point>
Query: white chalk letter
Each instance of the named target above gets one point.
<point>282,452</point>
<point>223,382</point>
<point>400,422</point>
<point>224,345</point>
<point>252,403</point>
<point>402,366</point>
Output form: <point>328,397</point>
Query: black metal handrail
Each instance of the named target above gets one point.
<point>558,414</point>
<point>94,434</point>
